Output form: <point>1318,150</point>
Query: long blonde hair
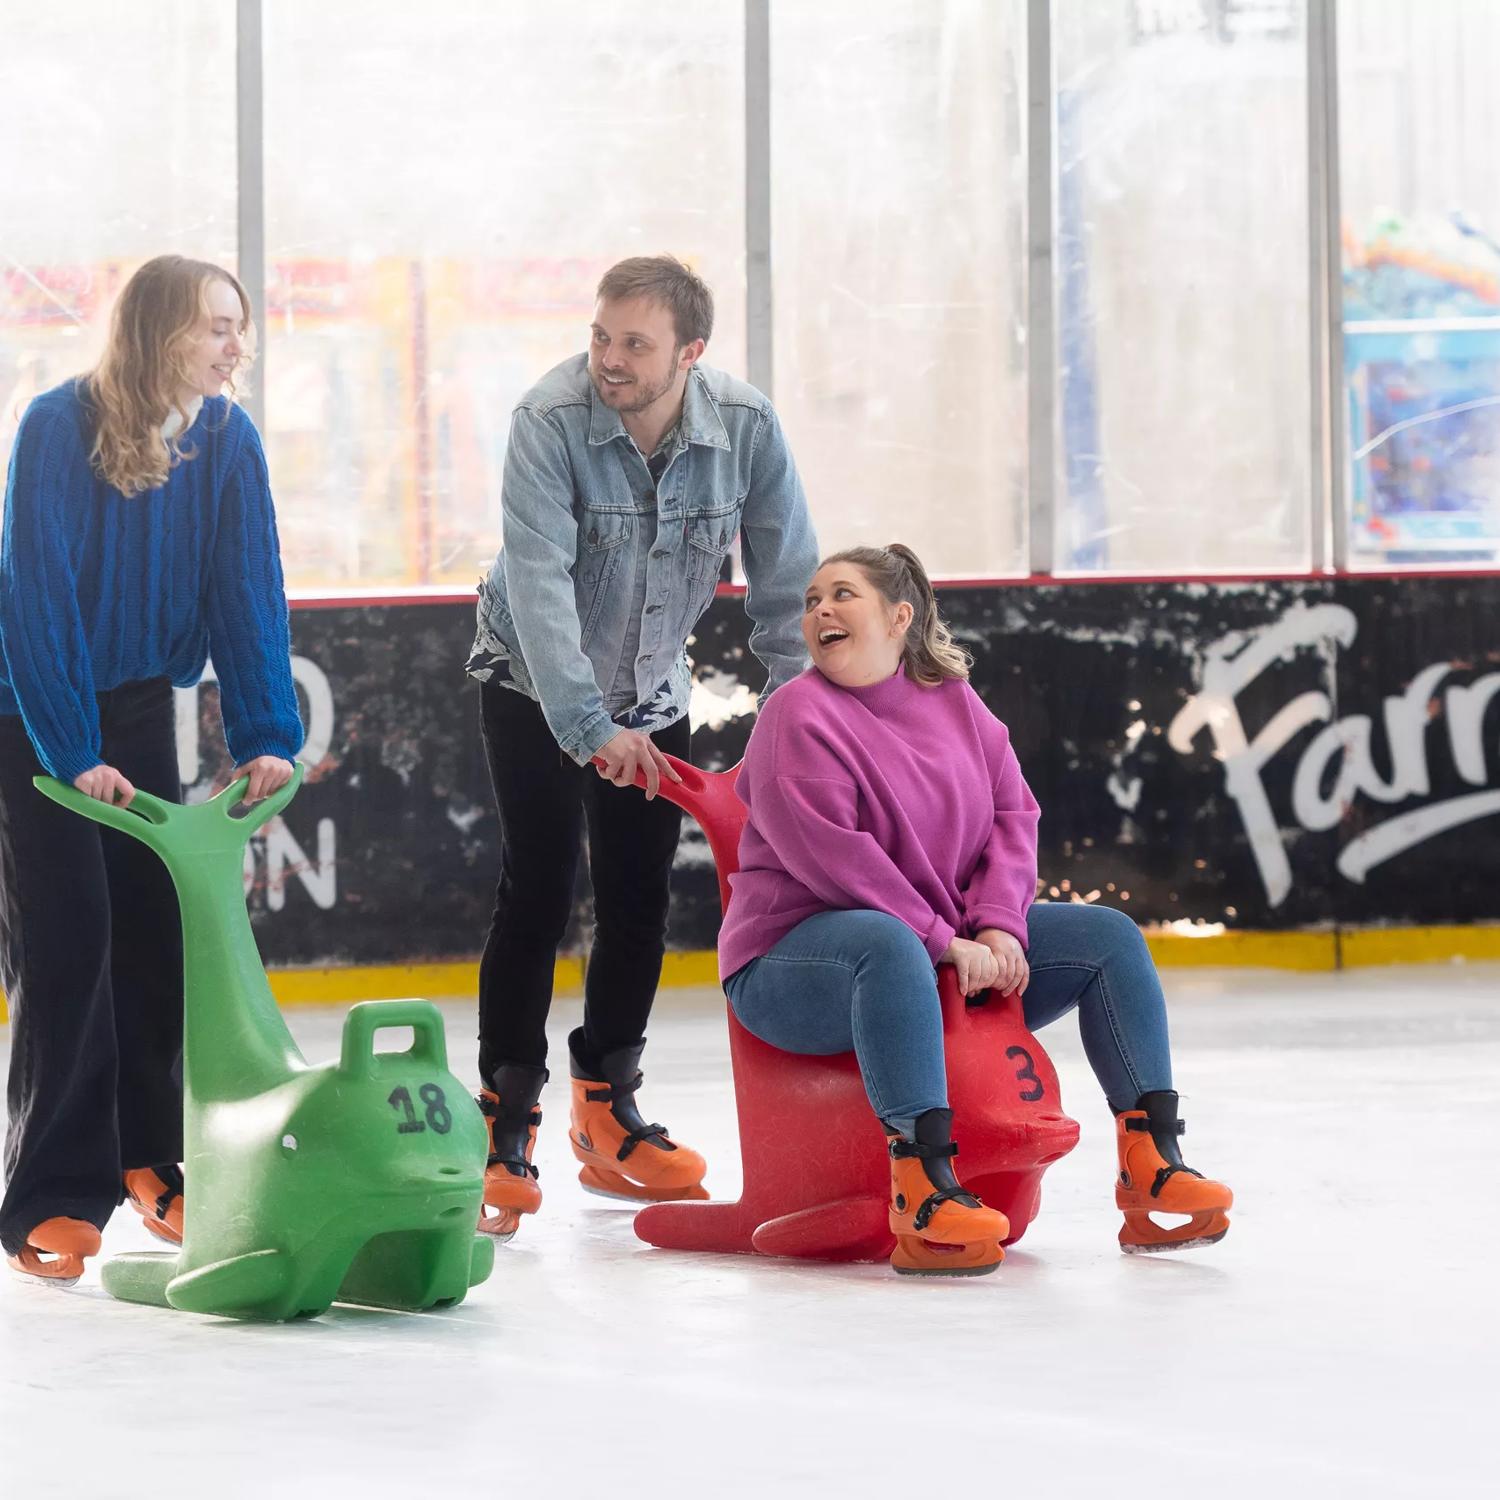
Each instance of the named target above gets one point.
<point>929,654</point>
<point>135,386</point>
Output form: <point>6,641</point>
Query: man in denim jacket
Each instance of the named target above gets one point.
<point>630,472</point>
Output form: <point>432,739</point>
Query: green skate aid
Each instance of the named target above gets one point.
<point>353,1181</point>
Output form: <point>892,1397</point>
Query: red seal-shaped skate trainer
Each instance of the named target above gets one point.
<point>816,1169</point>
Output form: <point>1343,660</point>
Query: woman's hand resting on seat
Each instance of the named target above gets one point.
<point>1015,972</point>
<point>974,963</point>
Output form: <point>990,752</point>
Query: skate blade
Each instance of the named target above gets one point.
<point>61,1271</point>
<point>612,1185</point>
<point>985,1270</point>
<point>1141,1235</point>
<point>162,1231</point>
<point>500,1226</point>
<point>933,1258</point>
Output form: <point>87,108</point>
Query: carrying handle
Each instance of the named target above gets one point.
<point>697,794</point>
<point>429,1040</point>
<point>144,814</point>
<point>709,797</point>
<point>264,810</point>
<point>149,818</point>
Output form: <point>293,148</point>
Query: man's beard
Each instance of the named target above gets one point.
<point>637,397</point>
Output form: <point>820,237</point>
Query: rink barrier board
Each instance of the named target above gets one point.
<point>1252,765</point>
<point>1134,707</point>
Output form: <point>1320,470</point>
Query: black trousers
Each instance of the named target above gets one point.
<point>545,799</point>
<point>91,964</point>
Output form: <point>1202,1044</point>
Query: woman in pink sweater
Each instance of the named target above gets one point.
<point>890,830</point>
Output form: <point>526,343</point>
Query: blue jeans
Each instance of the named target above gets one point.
<point>861,981</point>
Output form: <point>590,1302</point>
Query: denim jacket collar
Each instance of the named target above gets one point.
<point>701,422</point>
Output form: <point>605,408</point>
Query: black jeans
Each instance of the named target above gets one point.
<point>91,963</point>
<point>544,799</point>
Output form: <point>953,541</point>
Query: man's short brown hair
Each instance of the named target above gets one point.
<point>665,280</point>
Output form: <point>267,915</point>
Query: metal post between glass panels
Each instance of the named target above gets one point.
<point>759,348</point>
<point>1329,520</point>
<point>250,161</point>
<point>1041,350</point>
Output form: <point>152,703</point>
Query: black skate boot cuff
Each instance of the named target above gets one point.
<point>616,1067</point>
<point>517,1086</point>
<point>933,1127</point>
<point>1164,1123</point>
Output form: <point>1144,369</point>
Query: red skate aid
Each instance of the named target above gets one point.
<point>829,1198</point>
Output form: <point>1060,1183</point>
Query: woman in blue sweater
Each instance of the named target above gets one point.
<point>139,539</point>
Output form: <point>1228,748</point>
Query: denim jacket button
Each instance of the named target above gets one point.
<point>653,609</point>
<point>594,537</point>
<point>660,552</point>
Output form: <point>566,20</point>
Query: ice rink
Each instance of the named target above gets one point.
<point>1340,1342</point>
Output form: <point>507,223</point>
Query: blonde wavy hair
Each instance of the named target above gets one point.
<point>929,653</point>
<point>136,385</point>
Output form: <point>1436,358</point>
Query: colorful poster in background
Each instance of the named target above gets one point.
<point>389,397</point>
<point>388,386</point>
<point>1422,365</point>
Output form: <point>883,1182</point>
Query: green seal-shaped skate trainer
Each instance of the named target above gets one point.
<point>354,1181</point>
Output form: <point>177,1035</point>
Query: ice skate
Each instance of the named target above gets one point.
<point>623,1156</point>
<point>940,1229</point>
<point>56,1250</point>
<point>1154,1179</point>
<point>156,1194</point>
<point>510,1181</point>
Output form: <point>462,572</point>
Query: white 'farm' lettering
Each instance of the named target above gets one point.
<point>1341,749</point>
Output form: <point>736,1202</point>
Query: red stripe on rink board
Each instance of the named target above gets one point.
<point>441,594</point>
<point>370,598</point>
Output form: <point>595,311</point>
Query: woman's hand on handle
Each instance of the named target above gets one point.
<point>1015,972</point>
<point>267,773</point>
<point>105,784</point>
<point>629,754</point>
<point>974,964</point>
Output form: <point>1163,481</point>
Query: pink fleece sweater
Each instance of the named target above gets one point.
<point>896,798</point>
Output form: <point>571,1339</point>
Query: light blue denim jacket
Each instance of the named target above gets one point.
<point>554,612</point>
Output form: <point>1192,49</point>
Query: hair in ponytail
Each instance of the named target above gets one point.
<point>929,654</point>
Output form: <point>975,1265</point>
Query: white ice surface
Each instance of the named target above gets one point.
<point>1340,1342</point>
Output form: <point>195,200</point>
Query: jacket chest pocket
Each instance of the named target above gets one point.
<point>600,537</point>
<point>709,539</point>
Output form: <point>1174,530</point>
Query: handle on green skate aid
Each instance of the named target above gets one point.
<point>429,1041</point>
<point>184,828</point>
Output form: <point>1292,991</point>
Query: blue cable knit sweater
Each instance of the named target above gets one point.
<point>97,590</point>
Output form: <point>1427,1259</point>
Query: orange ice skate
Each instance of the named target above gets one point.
<point>623,1156</point>
<point>1155,1180</point>
<point>510,1181</point>
<point>155,1193</point>
<point>940,1229</point>
<point>55,1251</point>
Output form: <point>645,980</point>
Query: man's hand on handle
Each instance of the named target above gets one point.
<point>629,754</point>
